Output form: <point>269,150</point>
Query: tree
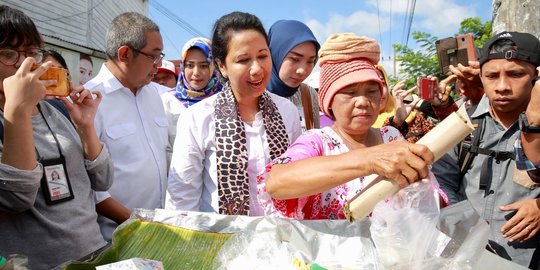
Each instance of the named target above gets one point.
<point>423,61</point>
<point>416,63</point>
<point>481,32</point>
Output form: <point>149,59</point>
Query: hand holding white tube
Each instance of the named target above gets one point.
<point>439,140</point>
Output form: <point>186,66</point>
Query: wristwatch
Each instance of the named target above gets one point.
<point>524,125</point>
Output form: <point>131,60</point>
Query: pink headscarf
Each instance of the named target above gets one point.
<point>346,59</point>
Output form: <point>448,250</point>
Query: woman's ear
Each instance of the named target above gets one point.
<point>222,68</point>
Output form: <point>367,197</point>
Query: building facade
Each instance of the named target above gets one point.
<point>77,28</point>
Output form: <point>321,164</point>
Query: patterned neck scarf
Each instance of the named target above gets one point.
<point>183,91</point>
<point>231,151</point>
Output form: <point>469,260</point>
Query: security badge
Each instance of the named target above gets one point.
<point>55,182</point>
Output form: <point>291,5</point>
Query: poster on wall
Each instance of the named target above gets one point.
<point>82,66</point>
<point>85,68</point>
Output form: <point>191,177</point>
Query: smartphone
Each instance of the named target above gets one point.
<point>466,42</point>
<point>455,50</point>
<point>428,88</point>
<point>61,76</point>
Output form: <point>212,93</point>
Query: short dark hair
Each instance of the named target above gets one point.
<point>502,45</point>
<point>17,29</point>
<point>226,25</point>
<point>57,56</point>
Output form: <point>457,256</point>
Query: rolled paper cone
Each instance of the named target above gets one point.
<point>452,130</point>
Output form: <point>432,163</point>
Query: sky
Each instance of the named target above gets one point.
<point>383,20</point>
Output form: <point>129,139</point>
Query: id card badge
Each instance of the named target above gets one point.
<point>55,181</point>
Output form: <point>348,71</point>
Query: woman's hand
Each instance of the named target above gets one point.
<point>443,91</point>
<point>402,110</point>
<point>83,109</point>
<point>24,89</point>
<point>401,161</point>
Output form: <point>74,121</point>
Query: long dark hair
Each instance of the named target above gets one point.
<point>17,29</point>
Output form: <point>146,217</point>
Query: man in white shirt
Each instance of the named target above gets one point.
<point>130,120</point>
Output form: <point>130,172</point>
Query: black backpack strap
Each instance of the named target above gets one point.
<point>470,149</point>
<point>469,146</point>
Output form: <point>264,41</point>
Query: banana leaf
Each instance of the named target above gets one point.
<point>175,247</point>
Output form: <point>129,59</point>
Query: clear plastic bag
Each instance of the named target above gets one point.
<point>405,230</point>
<point>249,250</point>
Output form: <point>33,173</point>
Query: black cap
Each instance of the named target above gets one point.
<point>528,48</point>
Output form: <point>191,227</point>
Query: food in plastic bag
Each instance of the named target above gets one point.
<point>255,251</point>
<point>406,233</point>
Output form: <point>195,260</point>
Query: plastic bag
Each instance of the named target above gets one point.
<point>404,227</point>
<point>249,250</point>
<point>409,231</point>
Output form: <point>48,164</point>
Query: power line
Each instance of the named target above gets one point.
<point>410,21</point>
<point>72,15</point>
<point>183,24</point>
<point>172,43</point>
<point>406,19</point>
<point>409,15</point>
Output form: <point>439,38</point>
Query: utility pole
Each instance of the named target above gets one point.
<point>516,15</point>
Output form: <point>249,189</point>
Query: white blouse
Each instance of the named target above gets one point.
<point>193,171</point>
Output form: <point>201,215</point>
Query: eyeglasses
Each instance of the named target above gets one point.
<point>155,59</point>
<point>10,57</point>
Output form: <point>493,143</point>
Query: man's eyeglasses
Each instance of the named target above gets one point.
<point>10,57</point>
<point>155,59</point>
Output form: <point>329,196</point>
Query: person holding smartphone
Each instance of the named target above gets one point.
<point>48,224</point>
<point>502,180</point>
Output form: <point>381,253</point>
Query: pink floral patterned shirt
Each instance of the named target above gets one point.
<point>325,205</point>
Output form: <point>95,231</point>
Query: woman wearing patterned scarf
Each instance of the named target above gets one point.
<point>326,167</point>
<point>226,140</point>
<point>198,79</point>
<point>294,54</point>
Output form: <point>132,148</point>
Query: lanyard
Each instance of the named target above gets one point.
<point>53,134</point>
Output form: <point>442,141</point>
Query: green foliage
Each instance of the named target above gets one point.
<point>481,32</point>
<point>423,61</point>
